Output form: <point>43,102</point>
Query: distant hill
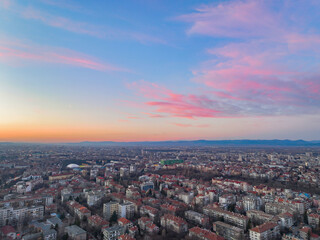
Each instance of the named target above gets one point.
<point>192,143</point>
<point>243,142</point>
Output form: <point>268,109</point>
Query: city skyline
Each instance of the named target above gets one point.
<point>159,70</point>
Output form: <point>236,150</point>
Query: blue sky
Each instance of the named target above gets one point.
<point>159,70</point>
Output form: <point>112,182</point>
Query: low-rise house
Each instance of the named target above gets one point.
<point>143,221</point>
<point>126,237</point>
<point>286,220</point>
<point>314,220</point>
<point>8,232</point>
<point>197,218</point>
<point>149,211</point>
<point>203,234</point>
<point>98,222</point>
<point>76,233</point>
<point>78,209</point>
<point>174,223</point>
<point>123,222</point>
<point>113,233</point>
<point>133,231</point>
<point>151,228</point>
<point>266,231</point>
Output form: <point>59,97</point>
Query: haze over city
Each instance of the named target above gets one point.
<point>159,70</point>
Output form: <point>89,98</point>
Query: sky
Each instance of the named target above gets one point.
<point>147,70</point>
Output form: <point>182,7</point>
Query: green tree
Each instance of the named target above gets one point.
<point>65,237</point>
<point>77,222</point>
<point>114,217</point>
<point>305,217</point>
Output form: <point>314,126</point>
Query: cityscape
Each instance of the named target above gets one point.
<point>160,120</point>
<point>118,192</point>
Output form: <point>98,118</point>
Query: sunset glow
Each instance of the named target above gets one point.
<point>159,70</point>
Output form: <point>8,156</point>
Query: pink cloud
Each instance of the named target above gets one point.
<point>15,52</point>
<point>233,19</point>
<point>191,125</point>
<point>176,105</point>
<point>5,3</point>
<point>270,71</point>
<point>153,115</point>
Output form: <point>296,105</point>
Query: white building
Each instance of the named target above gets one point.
<point>266,231</point>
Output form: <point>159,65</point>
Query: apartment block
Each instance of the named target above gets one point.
<point>228,231</point>
<point>266,231</point>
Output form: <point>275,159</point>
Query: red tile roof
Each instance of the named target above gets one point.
<point>123,221</point>
<point>205,234</point>
<point>264,227</point>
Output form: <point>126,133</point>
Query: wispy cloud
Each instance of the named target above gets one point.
<point>191,125</point>
<point>72,6</point>
<point>15,52</point>
<point>168,103</point>
<point>232,19</point>
<point>63,23</point>
<point>79,27</point>
<point>5,3</point>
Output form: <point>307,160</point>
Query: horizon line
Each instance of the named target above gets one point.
<point>154,141</point>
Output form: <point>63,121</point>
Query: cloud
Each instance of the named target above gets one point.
<point>13,51</point>
<point>170,104</point>
<point>78,27</point>
<point>191,125</point>
<point>240,19</point>
<point>268,66</point>
<point>153,115</point>
<point>63,23</point>
<point>5,3</point>
<point>65,5</point>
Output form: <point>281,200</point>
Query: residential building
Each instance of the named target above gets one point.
<point>259,217</point>
<point>109,208</point>
<point>126,210</point>
<point>10,215</point>
<point>76,233</point>
<point>266,231</point>
<point>174,223</point>
<point>197,218</point>
<point>313,220</point>
<point>203,234</point>
<point>112,233</point>
<point>228,231</point>
<point>219,214</point>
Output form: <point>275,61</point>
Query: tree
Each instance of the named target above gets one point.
<point>114,217</point>
<point>249,224</point>
<point>231,207</point>
<point>65,237</point>
<point>77,221</point>
<point>305,217</point>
